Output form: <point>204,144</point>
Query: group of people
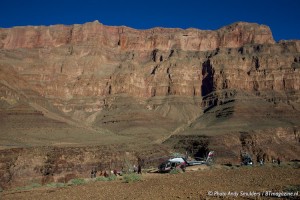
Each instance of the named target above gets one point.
<point>105,173</point>
<point>278,161</point>
<point>115,172</point>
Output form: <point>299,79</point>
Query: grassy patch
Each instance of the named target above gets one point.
<point>292,188</point>
<point>56,185</point>
<point>128,178</point>
<point>175,171</point>
<point>29,187</point>
<point>112,177</point>
<point>296,165</point>
<point>101,178</point>
<point>77,181</point>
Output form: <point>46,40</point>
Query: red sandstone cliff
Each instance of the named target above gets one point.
<point>67,64</point>
<point>125,38</point>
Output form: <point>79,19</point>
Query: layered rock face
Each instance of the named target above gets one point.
<point>81,67</point>
<point>96,34</point>
<point>151,86</point>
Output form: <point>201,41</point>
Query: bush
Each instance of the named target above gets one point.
<point>112,177</point>
<point>292,188</point>
<point>296,165</point>
<point>175,171</point>
<point>29,187</point>
<point>101,178</point>
<point>128,178</point>
<point>78,181</point>
<point>35,185</point>
<point>56,185</point>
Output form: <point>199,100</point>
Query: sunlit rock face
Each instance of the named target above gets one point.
<point>69,63</point>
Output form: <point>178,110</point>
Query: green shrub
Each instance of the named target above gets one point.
<point>112,177</point>
<point>56,185</point>
<point>296,165</point>
<point>35,185</point>
<point>128,178</point>
<point>28,187</point>
<point>101,178</point>
<point>19,188</point>
<point>77,181</point>
<point>61,185</point>
<point>175,171</point>
<point>292,188</point>
<point>31,186</point>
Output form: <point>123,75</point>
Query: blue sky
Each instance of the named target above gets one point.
<point>282,16</point>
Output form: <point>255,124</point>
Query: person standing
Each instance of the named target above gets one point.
<point>95,172</point>
<point>105,174</point>
<point>92,173</point>
<point>139,169</point>
<point>134,169</point>
<point>182,166</point>
<point>261,162</point>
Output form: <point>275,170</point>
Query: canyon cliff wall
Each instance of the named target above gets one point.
<point>68,63</point>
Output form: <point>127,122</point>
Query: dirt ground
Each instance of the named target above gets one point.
<point>197,183</point>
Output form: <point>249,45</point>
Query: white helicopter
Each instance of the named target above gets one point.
<point>180,162</point>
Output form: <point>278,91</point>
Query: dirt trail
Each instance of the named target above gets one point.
<point>190,185</point>
<point>176,131</point>
<point>55,116</point>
